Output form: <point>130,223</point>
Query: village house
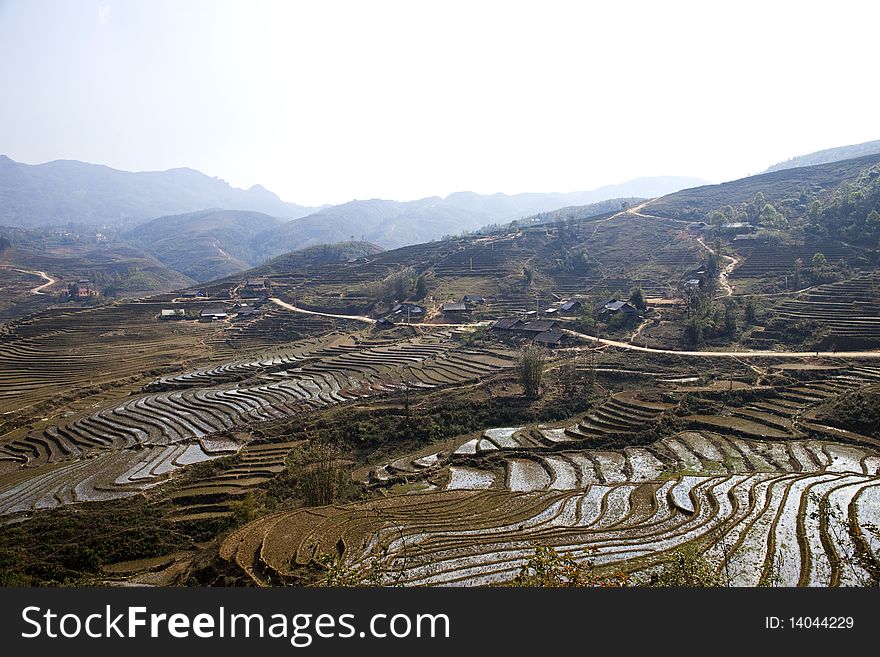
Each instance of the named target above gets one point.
<point>81,289</point>
<point>410,310</point>
<point>454,308</point>
<point>507,325</point>
<point>173,313</point>
<point>570,308</point>
<point>475,299</point>
<point>550,338</point>
<point>213,314</point>
<point>537,327</point>
<point>615,306</point>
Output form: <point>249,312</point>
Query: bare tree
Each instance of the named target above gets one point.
<point>531,369</point>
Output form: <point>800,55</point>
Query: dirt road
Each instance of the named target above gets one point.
<point>33,272</point>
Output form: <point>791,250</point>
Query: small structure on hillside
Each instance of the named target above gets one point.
<point>454,308</point>
<point>550,338</point>
<point>256,283</point>
<point>537,327</point>
<point>410,310</point>
<point>81,289</point>
<point>172,313</point>
<point>571,307</point>
<point>247,312</point>
<point>213,314</point>
<point>475,299</point>
<point>507,325</point>
<point>616,306</point>
<point>384,323</point>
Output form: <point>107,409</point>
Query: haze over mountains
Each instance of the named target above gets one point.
<point>204,228</point>
<point>67,191</point>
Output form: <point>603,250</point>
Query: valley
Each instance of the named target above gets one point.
<point>678,373</point>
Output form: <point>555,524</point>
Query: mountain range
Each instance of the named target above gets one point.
<point>67,191</point>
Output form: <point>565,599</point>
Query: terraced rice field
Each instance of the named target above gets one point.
<point>484,537</point>
<point>761,259</point>
<point>767,495</point>
<point>189,411</point>
<point>62,350</point>
<point>849,309</point>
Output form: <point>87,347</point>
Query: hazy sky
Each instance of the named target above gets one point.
<point>325,101</point>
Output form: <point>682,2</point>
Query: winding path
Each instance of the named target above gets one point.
<point>727,354</point>
<point>34,272</point>
<point>628,346</point>
<point>291,307</point>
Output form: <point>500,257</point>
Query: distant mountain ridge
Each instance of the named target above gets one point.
<point>829,155</point>
<point>68,191</point>
<point>391,224</point>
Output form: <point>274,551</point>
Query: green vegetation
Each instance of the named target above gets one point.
<point>857,411</point>
<point>689,568</point>
<point>530,369</point>
<point>852,213</point>
<point>546,568</point>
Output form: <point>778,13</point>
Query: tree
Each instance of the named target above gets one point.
<point>531,369</point>
<point>819,263</point>
<point>693,331</point>
<point>798,273</point>
<point>757,205</point>
<point>320,472</point>
<point>689,568</point>
<point>527,276</point>
<point>751,312</point>
<point>548,569</point>
<point>421,287</point>
<point>771,217</point>
<point>730,327</point>
<point>637,298</point>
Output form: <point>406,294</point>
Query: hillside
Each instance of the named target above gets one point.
<point>67,191</point>
<point>114,270</point>
<point>322,254</point>
<point>829,155</point>
<point>205,245</point>
<point>395,223</point>
<point>661,409</point>
<point>801,183</point>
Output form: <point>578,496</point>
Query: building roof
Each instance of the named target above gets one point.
<point>549,337</point>
<point>454,308</point>
<point>412,307</point>
<point>473,298</point>
<point>570,305</point>
<point>217,312</point>
<point>174,312</point>
<point>507,323</point>
<point>540,326</point>
<point>615,305</point>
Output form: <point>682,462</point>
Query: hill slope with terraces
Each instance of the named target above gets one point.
<point>179,446</point>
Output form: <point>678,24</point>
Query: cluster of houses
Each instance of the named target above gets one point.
<point>451,310</point>
<point>240,310</point>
